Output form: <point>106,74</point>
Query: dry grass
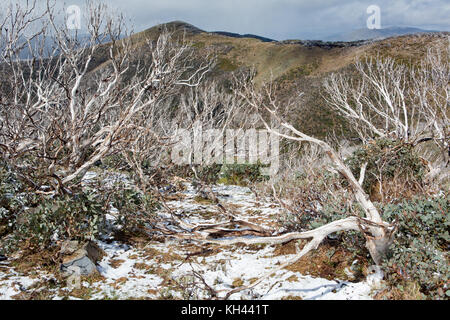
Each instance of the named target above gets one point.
<point>28,263</point>
<point>292,278</point>
<point>410,291</point>
<point>238,282</point>
<point>201,200</point>
<point>327,262</point>
<point>115,263</point>
<point>141,266</point>
<point>394,190</point>
<point>292,298</point>
<point>286,248</point>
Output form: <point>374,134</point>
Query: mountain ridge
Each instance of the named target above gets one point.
<point>296,65</point>
<point>379,34</point>
<point>351,36</point>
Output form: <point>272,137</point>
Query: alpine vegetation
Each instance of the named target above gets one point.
<point>175,163</point>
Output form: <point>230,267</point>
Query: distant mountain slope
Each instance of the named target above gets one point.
<point>295,64</point>
<point>289,58</point>
<point>366,34</point>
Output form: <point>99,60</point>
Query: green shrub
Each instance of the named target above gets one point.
<point>34,221</point>
<point>420,250</point>
<point>135,209</point>
<point>241,174</point>
<point>10,203</point>
<point>317,201</point>
<point>386,158</point>
<point>78,217</point>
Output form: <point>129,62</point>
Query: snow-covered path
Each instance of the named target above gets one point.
<point>159,269</point>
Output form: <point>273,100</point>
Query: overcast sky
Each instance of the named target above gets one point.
<point>283,19</point>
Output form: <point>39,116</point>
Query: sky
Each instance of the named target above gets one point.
<point>282,19</point>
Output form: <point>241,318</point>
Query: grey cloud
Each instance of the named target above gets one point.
<point>283,19</point>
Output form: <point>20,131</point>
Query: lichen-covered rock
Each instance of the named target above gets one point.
<point>69,247</point>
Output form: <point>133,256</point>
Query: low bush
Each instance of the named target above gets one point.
<point>136,210</point>
<point>419,253</point>
<point>35,221</point>
<point>77,217</point>
<point>388,161</point>
<point>241,174</point>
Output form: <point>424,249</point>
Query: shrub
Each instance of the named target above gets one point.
<point>135,209</point>
<point>35,220</point>
<point>419,253</point>
<point>388,159</point>
<point>59,217</point>
<point>209,174</point>
<point>10,203</point>
<point>313,201</point>
<point>241,174</point>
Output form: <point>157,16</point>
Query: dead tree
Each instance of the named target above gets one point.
<point>82,100</point>
<point>207,105</point>
<point>432,95</point>
<point>391,100</point>
<point>378,233</point>
<point>388,100</point>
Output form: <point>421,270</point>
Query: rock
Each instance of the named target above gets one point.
<point>83,266</point>
<point>82,261</point>
<point>69,247</point>
<point>95,253</point>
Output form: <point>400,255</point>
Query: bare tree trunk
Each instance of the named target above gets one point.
<point>379,234</point>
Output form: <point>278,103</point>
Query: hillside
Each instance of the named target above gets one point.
<point>296,64</point>
<point>291,57</point>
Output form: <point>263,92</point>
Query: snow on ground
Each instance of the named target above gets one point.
<point>12,284</point>
<point>146,271</point>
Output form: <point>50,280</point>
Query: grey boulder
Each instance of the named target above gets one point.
<point>82,261</point>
